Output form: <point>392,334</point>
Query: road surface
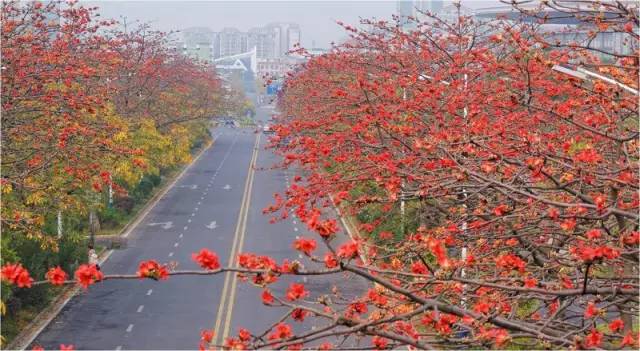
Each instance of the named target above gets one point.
<point>216,204</point>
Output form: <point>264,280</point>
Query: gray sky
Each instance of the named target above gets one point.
<point>316,18</point>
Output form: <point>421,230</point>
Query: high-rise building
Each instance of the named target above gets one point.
<point>271,41</point>
<point>416,9</point>
<point>406,9</point>
<point>432,6</point>
<point>230,41</point>
<point>197,42</point>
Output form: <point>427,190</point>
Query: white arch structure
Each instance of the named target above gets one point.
<point>237,64</point>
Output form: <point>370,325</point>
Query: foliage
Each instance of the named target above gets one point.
<point>522,184</point>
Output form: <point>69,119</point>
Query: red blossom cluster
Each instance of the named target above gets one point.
<point>206,259</point>
<point>88,274</point>
<point>152,269</point>
<point>16,274</point>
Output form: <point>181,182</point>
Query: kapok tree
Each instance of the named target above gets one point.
<point>530,178</point>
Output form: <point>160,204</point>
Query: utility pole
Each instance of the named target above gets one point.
<point>402,185</point>
<point>110,190</point>
<point>59,224</point>
<point>94,226</point>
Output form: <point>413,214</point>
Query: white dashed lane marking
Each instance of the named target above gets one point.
<point>176,245</point>
<point>149,292</point>
<point>185,227</point>
<point>140,308</point>
<point>180,236</point>
<point>295,229</point>
<point>129,328</point>
<point>119,348</point>
<point>170,254</point>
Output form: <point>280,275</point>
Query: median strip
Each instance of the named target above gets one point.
<point>225,309</point>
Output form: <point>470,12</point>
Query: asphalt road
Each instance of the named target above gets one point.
<point>203,209</point>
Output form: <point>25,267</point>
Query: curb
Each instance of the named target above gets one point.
<point>349,228</point>
<point>44,318</point>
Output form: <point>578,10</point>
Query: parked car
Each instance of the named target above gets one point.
<point>267,129</point>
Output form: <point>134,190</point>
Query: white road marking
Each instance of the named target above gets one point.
<point>185,228</point>
<point>295,229</point>
<point>119,348</point>
<point>299,255</point>
<point>201,197</point>
<point>212,225</point>
<point>140,308</point>
<point>170,254</point>
<point>176,244</point>
<point>180,236</point>
<point>129,328</point>
<point>149,292</point>
<point>193,214</point>
<point>294,222</point>
<point>297,236</point>
<point>189,220</point>
<point>190,186</point>
<point>304,279</point>
<point>164,225</point>
<point>196,209</point>
<point>199,203</point>
<point>227,187</point>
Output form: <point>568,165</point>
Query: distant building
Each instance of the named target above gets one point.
<point>415,9</point>
<point>271,41</point>
<point>197,42</point>
<point>564,30</point>
<point>230,41</point>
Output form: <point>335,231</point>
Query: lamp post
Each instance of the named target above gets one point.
<point>584,74</point>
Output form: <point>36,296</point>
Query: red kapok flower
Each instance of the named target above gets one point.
<point>510,261</point>
<point>501,210</point>
<point>530,282</point>
<point>281,331</point>
<point>593,339</point>
<point>616,325</point>
<point>152,269</point>
<point>305,245</point>
<point>244,334</point>
<point>87,274</point>
<point>64,347</point>
<point>348,250</point>
<point>56,276</point>
<point>298,314</point>
<point>16,274</point>
<point>628,340</point>
<point>330,260</point>
<point>207,335</point>
<point>379,342</point>
<point>267,298</point>
<point>207,259</point>
<point>296,291</point>
<point>591,310</point>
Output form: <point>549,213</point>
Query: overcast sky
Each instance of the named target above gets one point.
<point>316,18</point>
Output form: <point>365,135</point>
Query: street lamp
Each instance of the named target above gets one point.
<point>584,74</point>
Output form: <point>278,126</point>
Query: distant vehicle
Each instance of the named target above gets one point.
<point>229,123</point>
<point>267,129</point>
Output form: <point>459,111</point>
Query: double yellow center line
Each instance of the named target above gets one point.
<point>227,299</point>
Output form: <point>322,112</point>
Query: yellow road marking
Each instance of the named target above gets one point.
<point>232,296</point>
<point>238,239</point>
